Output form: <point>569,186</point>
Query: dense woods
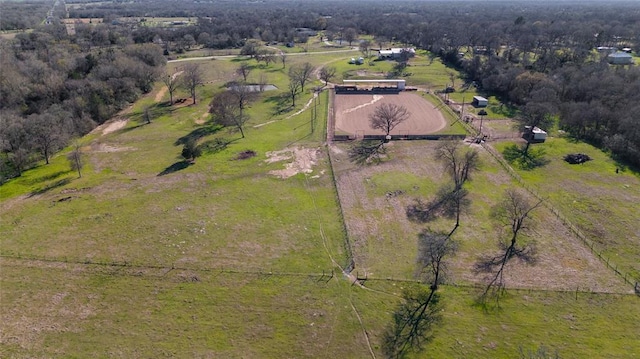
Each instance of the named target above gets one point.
<point>22,15</point>
<point>539,57</point>
<point>54,89</point>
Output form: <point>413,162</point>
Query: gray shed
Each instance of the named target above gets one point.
<point>620,58</point>
<point>479,101</point>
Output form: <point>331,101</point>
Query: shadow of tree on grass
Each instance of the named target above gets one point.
<point>198,133</point>
<point>47,177</point>
<point>50,186</point>
<point>178,166</point>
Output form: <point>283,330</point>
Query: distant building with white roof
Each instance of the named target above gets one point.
<point>620,58</point>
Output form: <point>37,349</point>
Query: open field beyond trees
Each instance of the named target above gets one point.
<point>147,255</point>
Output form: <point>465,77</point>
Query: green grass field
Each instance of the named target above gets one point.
<point>603,204</point>
<point>147,256</point>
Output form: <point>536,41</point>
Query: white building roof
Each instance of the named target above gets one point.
<point>389,81</point>
<point>480,99</point>
<point>620,54</point>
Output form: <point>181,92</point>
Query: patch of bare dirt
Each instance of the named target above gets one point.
<point>202,119</point>
<point>164,89</point>
<point>352,114</point>
<point>161,94</point>
<point>113,126</point>
<point>302,161</point>
<point>105,148</point>
<point>363,73</point>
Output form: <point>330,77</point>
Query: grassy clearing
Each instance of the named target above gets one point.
<point>599,201</point>
<point>136,206</point>
<point>593,325</point>
<point>113,210</point>
<point>103,312</point>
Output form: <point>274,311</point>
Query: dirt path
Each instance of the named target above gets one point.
<point>304,108</point>
<point>164,89</point>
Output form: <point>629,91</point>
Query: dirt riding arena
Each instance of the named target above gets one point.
<point>352,114</point>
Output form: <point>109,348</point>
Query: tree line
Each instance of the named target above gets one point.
<point>53,90</point>
<point>23,15</point>
<point>537,57</point>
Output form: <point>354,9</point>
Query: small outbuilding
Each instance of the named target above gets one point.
<point>620,58</point>
<point>534,134</point>
<point>479,101</point>
<point>397,53</point>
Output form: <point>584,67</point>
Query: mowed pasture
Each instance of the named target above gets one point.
<point>141,216</point>
<point>353,112</point>
<point>145,256</point>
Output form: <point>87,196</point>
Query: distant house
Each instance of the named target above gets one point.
<point>620,58</point>
<point>396,53</point>
<point>605,49</point>
<point>480,50</point>
<point>305,31</point>
<point>479,101</point>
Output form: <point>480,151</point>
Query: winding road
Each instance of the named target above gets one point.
<point>228,57</point>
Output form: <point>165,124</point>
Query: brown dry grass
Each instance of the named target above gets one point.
<point>385,241</point>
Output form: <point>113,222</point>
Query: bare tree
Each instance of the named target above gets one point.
<point>243,70</point>
<point>146,115</point>
<point>327,73</point>
<point>283,59</point>
<point>172,83</point>
<point>452,77</point>
<point>381,41</point>
<point>262,82</point>
<point>365,46</point>
<point>226,111</point>
<point>301,74</point>
<point>266,55</point>
<point>350,34</point>
<point>458,162</point>
<point>294,89</point>
<point>243,95</point>
<point>451,199</point>
<point>75,159</point>
<point>192,78</point>
<point>432,249</point>
<point>250,48</point>
<point>14,140</point>
<point>387,116</point>
<point>46,132</point>
<point>514,212</point>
